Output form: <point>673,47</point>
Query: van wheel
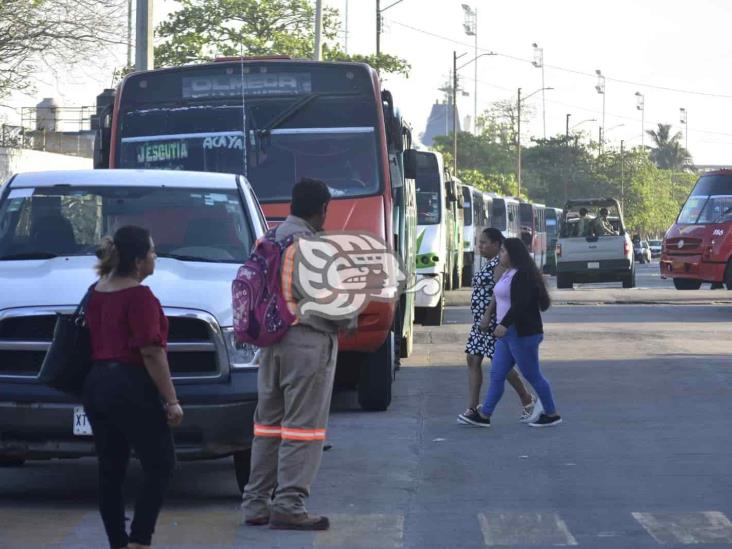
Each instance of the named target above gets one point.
<point>728,275</point>
<point>377,374</point>
<point>564,282</point>
<point>11,461</point>
<point>687,284</point>
<point>432,316</point>
<point>242,466</point>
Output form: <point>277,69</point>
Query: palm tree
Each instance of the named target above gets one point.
<point>668,153</point>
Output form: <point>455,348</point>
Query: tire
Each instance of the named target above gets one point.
<point>11,461</point>
<point>468,271</point>
<point>564,282</point>
<point>728,275</point>
<point>376,376</point>
<point>242,466</point>
<point>456,278</point>
<point>687,284</point>
<point>629,281</point>
<point>432,316</point>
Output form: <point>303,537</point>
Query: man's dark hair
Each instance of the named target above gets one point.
<point>494,235</point>
<point>308,197</point>
<point>583,212</point>
<point>603,212</point>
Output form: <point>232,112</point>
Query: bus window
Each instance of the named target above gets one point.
<point>428,190</point>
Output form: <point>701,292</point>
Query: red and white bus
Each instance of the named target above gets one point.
<point>698,247</point>
<point>532,221</point>
<point>276,120</point>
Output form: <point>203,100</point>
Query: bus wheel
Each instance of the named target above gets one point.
<point>432,316</point>
<point>242,465</point>
<point>728,275</point>
<point>687,284</point>
<point>564,282</point>
<point>377,374</point>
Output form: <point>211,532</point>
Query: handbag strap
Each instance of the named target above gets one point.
<point>81,309</point>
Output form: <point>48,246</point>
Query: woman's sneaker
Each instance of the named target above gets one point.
<point>532,411</point>
<point>472,417</point>
<point>546,421</point>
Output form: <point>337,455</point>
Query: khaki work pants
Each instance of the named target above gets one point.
<point>295,386</point>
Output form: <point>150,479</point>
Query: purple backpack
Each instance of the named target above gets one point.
<point>261,313</point>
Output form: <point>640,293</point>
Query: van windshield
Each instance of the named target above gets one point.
<point>185,224</point>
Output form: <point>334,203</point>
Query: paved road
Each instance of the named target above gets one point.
<point>641,460</point>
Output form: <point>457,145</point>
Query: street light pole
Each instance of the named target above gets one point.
<point>470,24</point>
<point>600,88</point>
<point>622,176</point>
<point>318,48</point>
<point>518,142</point>
<point>566,130</point>
<point>378,28</point>
<point>144,43</point>
<point>684,120</point>
<point>455,57</point>
<point>539,63</point>
<point>641,106</point>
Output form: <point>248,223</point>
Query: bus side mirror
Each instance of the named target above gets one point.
<point>102,138</point>
<point>410,164</point>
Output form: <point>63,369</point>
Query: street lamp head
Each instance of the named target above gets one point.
<point>598,72</point>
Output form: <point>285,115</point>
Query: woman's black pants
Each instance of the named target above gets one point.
<point>126,413</point>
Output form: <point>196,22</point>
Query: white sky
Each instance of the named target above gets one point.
<point>648,44</point>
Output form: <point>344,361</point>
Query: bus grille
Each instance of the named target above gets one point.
<point>682,246</point>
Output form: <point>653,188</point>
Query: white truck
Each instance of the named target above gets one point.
<point>589,255</point>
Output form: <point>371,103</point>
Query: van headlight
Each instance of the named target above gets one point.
<point>240,356</point>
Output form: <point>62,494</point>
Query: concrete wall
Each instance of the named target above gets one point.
<point>25,160</point>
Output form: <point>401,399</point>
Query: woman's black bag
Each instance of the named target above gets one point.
<point>68,360</point>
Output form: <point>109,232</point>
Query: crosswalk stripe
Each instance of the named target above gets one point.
<point>543,529</point>
<point>687,528</point>
<point>22,527</point>
<point>202,527</point>
<point>367,531</point>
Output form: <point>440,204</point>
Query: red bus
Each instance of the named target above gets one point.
<point>276,120</point>
<point>532,221</point>
<point>698,247</point>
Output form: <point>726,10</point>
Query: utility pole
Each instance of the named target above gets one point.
<point>518,142</point>
<point>346,17</point>
<point>378,28</point>
<point>566,131</point>
<point>622,176</point>
<point>144,45</point>
<point>318,50</point>
<point>539,64</point>
<point>130,60</point>
<point>475,75</point>
<point>454,111</point>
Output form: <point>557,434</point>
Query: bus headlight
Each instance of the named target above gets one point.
<point>240,356</point>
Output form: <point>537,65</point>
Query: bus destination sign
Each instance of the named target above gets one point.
<point>232,85</point>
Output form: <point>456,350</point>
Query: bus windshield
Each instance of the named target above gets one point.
<point>428,190</point>
<point>467,207</point>
<point>499,214</point>
<point>317,122</point>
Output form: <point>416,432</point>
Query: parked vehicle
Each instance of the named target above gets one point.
<point>437,203</point>
<point>642,251</point>
<point>505,216</point>
<point>606,258</point>
<point>533,231</point>
<point>698,247</point>
<point>655,246</point>
<point>553,228</point>
<point>325,120</point>
<point>475,219</point>
<point>203,226</point>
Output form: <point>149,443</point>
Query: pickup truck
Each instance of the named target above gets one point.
<point>203,224</point>
<point>590,257</point>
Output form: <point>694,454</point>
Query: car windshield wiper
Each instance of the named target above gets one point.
<point>28,255</point>
<point>183,257</point>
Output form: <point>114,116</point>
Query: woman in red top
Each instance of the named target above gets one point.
<point>129,396</point>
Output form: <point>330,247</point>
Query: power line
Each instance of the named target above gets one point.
<point>565,69</point>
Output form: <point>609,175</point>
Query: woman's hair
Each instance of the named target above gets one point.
<point>521,260</point>
<point>119,253</point>
<point>494,235</point>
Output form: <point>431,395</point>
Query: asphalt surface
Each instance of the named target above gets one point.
<point>641,460</point>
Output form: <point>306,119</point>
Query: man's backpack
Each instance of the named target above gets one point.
<point>261,314</point>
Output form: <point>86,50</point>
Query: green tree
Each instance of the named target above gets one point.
<point>203,29</point>
<point>668,153</point>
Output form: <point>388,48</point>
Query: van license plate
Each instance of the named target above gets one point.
<point>82,427</point>
<point>593,265</point>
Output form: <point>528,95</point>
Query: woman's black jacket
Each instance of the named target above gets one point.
<point>525,311</point>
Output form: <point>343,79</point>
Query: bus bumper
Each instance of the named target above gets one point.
<point>691,266</point>
<point>425,294</point>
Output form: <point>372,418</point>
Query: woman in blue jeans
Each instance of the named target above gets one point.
<point>520,296</point>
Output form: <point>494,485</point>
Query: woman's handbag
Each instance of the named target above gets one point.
<point>68,360</point>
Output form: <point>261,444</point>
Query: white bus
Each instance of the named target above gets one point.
<point>475,219</point>
<point>505,216</point>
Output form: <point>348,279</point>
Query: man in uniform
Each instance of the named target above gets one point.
<point>582,228</point>
<point>601,226</point>
<point>295,384</point>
